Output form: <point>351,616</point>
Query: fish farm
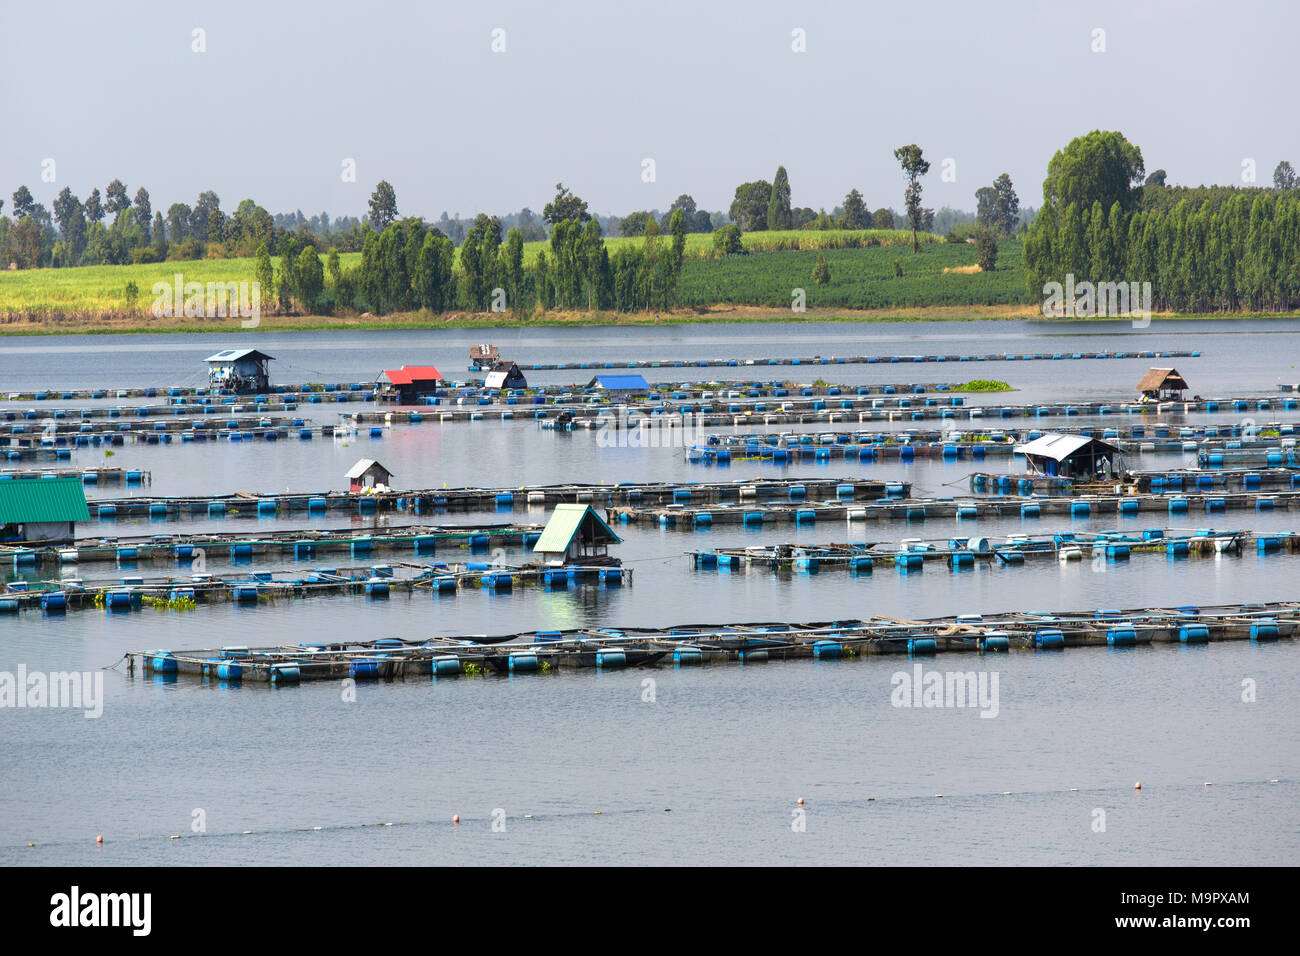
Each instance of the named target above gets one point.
<point>695,644</point>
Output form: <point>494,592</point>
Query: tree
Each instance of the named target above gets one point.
<point>23,203</point>
<point>1099,167</point>
<point>288,250</point>
<point>264,273</point>
<point>115,198</point>
<point>94,207</point>
<point>998,207</point>
<point>1284,176</point>
<point>143,212</point>
<point>512,268</point>
<point>311,277</point>
<point>749,208</point>
<point>821,271</point>
<point>70,216</point>
<point>1156,179</point>
<point>914,167</point>
<point>778,204</point>
<point>565,205</point>
<point>335,268</point>
<point>986,249</point>
<point>206,220</point>
<point>178,221</point>
<point>856,215</point>
<point>633,224</point>
<point>383,206</point>
<point>882,219</point>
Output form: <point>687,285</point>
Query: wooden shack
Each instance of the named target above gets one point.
<point>1162,384</point>
<point>368,473</point>
<point>483,357</point>
<point>575,534</point>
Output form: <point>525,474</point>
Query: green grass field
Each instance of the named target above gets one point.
<point>778,262</point>
<point>860,278</point>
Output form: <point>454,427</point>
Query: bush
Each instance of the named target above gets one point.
<point>821,271</point>
<point>726,241</point>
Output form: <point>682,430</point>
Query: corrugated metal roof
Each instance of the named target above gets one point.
<point>564,523</point>
<point>620,382</point>
<point>46,499</point>
<point>363,466</point>
<point>411,373</point>
<point>1058,447</point>
<point>234,355</point>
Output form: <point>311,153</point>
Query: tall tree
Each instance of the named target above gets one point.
<point>94,206</point>
<point>383,206</point>
<point>178,221</point>
<point>778,204</point>
<point>1098,167</point>
<point>115,198</point>
<point>1284,176</point>
<point>23,203</point>
<point>264,273</point>
<point>311,278</point>
<point>143,212</point>
<point>749,207</point>
<point>70,216</point>
<point>565,205</point>
<point>856,214</point>
<point>914,167</point>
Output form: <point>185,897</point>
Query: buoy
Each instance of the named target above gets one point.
<point>939,796</point>
<point>1208,784</point>
<point>597,813</point>
<point>1138,785</point>
<point>100,838</point>
<point>174,836</point>
<point>456,819</point>
<point>1074,789</point>
<point>800,801</point>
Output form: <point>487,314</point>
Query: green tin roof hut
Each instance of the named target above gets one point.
<point>575,534</point>
<point>41,509</point>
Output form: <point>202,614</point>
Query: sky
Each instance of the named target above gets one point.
<point>282,97</point>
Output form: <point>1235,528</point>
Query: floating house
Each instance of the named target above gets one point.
<point>1162,384</point>
<point>575,534</point>
<point>483,356</point>
<point>45,510</point>
<point>405,383</point>
<point>240,370</point>
<point>506,374</point>
<point>368,473</point>
<point>1070,456</point>
<point>620,386</point>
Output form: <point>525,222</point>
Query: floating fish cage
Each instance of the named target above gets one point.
<point>610,649</point>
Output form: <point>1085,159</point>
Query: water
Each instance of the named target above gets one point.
<point>710,770</point>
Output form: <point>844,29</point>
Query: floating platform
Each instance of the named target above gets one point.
<point>965,509</point>
<point>250,505</point>
<point>89,476</point>
<point>696,644</point>
<point>961,553</point>
<point>376,582</point>
<point>306,545</point>
<point>844,360</point>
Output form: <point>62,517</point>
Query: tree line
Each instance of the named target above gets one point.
<point>1208,249</point>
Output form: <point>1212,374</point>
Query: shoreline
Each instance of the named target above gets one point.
<point>134,324</point>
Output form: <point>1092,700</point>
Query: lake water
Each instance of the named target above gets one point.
<point>709,771</point>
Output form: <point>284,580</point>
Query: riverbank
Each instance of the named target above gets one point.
<point>136,324</point>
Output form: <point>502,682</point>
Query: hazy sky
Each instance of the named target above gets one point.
<point>585,91</point>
